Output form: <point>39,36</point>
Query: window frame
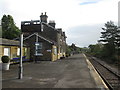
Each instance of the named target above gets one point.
<point>8,51</point>
<point>38,46</point>
<point>55,51</point>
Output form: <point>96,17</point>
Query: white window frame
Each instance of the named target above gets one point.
<point>7,51</point>
<point>38,46</point>
<point>55,51</point>
<point>18,51</point>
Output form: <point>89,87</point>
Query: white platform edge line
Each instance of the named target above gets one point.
<point>89,63</point>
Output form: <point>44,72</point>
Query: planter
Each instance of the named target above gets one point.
<point>5,66</point>
<point>6,62</point>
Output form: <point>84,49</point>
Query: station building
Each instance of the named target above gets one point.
<point>11,48</point>
<point>46,42</point>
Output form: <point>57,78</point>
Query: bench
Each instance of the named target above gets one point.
<point>17,59</point>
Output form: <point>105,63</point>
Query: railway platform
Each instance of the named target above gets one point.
<point>73,72</point>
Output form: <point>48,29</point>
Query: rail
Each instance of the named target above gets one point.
<point>111,78</point>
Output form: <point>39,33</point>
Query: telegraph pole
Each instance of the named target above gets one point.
<point>20,65</point>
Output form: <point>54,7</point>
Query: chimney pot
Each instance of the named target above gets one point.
<point>45,13</point>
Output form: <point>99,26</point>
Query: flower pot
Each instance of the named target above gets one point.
<point>5,66</point>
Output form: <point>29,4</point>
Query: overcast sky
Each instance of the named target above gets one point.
<point>82,20</point>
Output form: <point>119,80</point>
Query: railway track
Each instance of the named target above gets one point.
<point>111,78</point>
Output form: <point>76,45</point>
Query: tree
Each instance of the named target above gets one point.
<point>9,29</point>
<point>72,49</point>
<point>96,50</point>
<point>110,37</point>
<point>75,49</point>
<point>110,33</point>
<point>68,51</point>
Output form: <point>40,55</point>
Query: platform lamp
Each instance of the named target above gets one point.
<point>20,76</point>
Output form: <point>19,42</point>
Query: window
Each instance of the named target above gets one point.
<point>27,23</point>
<point>18,51</point>
<point>38,48</point>
<point>55,50</point>
<point>7,51</point>
<point>25,51</point>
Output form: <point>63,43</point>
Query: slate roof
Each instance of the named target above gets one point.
<point>44,38</point>
<point>9,42</point>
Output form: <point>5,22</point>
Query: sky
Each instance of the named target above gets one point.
<point>81,20</point>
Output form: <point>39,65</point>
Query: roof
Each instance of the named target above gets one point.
<point>9,42</point>
<point>44,38</point>
<point>35,26</point>
<point>48,25</point>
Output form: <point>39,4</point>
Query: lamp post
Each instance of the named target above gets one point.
<point>20,65</point>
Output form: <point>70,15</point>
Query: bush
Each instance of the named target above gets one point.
<point>5,59</point>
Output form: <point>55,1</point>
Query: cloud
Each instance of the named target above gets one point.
<point>84,35</point>
<point>119,13</point>
<point>78,21</point>
<point>66,13</point>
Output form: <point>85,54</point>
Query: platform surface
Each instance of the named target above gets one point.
<point>71,72</point>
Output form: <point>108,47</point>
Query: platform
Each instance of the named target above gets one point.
<point>72,72</point>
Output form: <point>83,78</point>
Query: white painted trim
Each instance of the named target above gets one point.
<point>39,37</point>
<point>29,36</point>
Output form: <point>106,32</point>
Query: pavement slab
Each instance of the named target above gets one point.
<point>71,72</point>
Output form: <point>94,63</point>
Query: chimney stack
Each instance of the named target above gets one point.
<point>52,23</point>
<point>43,18</point>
